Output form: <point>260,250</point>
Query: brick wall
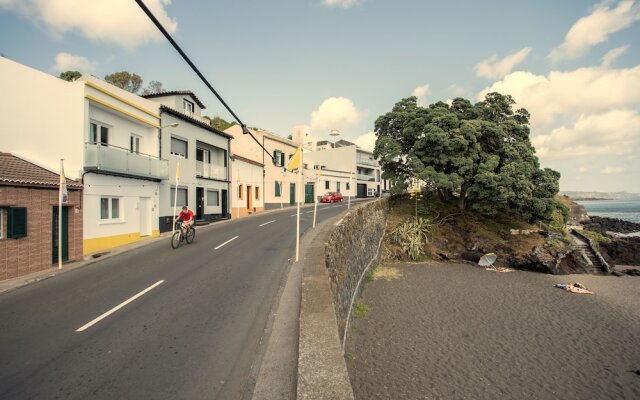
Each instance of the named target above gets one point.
<point>19,257</point>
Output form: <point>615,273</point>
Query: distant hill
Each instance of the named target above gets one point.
<point>601,195</point>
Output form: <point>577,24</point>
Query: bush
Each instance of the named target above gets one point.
<point>596,237</point>
<point>411,235</point>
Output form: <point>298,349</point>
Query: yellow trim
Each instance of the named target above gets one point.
<point>120,110</point>
<point>95,245</point>
<point>122,99</point>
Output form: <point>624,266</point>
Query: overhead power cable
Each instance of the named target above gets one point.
<point>157,23</point>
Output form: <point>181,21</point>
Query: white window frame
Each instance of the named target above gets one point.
<point>98,133</point>
<point>189,107</point>
<point>218,198</point>
<point>172,195</point>
<point>110,202</point>
<point>134,143</point>
<point>177,154</point>
<point>1,223</point>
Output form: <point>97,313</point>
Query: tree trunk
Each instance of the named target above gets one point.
<point>462,200</point>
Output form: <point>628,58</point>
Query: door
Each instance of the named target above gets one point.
<point>225,210</point>
<point>199,203</point>
<point>249,198</point>
<point>292,194</point>
<point>145,216</point>
<point>308,193</point>
<point>54,235</point>
<point>362,190</point>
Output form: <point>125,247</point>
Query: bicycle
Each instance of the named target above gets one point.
<point>182,234</point>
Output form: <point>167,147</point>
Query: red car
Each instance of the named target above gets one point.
<point>330,197</point>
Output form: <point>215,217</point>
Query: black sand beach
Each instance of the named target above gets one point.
<point>451,331</point>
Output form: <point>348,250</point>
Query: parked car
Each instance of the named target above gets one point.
<point>331,197</point>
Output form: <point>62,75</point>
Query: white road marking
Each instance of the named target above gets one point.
<point>266,223</point>
<point>309,212</point>
<point>230,240</point>
<point>116,308</point>
<point>336,206</point>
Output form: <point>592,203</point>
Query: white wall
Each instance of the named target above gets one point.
<point>42,117</point>
<point>245,174</point>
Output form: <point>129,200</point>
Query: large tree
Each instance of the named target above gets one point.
<point>478,155</point>
<point>125,80</point>
<point>70,75</point>
<point>152,88</point>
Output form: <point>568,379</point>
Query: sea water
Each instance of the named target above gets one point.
<point>628,210</point>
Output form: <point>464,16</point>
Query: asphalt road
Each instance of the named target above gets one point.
<point>193,332</point>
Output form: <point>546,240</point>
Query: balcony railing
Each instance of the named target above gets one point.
<point>212,171</point>
<point>366,161</point>
<point>119,160</point>
<point>368,178</point>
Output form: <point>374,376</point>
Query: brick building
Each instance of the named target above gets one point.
<point>28,218</point>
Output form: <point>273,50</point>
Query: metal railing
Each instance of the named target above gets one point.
<point>110,158</point>
<point>213,171</point>
<point>365,161</point>
<point>364,177</point>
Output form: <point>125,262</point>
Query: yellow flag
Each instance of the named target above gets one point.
<point>178,172</point>
<point>64,195</point>
<point>294,163</point>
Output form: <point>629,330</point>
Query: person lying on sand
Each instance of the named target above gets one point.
<point>573,288</point>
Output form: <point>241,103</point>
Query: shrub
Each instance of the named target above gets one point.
<point>411,235</point>
<point>596,237</point>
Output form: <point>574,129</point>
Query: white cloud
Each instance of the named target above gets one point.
<point>492,68</point>
<point>612,55</point>
<point>570,93</point>
<point>340,3</point>
<point>66,62</point>
<point>335,113</point>
<point>115,21</point>
<point>612,170</point>
<point>457,90</point>
<point>612,133</point>
<point>421,93</point>
<point>366,141</point>
<point>596,28</point>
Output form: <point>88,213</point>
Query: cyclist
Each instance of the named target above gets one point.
<point>187,218</point>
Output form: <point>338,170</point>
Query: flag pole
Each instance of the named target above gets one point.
<point>298,213</point>
<point>315,206</point>
<point>175,197</point>
<point>62,183</point>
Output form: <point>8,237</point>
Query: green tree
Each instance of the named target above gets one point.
<point>478,155</point>
<point>220,124</point>
<point>70,75</point>
<point>125,80</point>
<point>152,88</point>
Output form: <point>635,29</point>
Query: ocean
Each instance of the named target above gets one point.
<point>628,210</point>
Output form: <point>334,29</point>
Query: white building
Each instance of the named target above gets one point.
<point>203,154</point>
<point>108,138</point>
<point>247,194</point>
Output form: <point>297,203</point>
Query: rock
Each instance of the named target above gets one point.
<point>604,224</point>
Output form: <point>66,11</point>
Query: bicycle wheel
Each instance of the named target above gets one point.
<point>191,235</point>
<point>175,240</point>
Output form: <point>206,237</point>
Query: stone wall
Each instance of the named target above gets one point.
<point>350,251</point>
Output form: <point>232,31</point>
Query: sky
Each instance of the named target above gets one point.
<point>339,64</point>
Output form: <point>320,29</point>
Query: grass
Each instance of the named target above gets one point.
<point>386,273</point>
<point>596,237</point>
<point>360,310</point>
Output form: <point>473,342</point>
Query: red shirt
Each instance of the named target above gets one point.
<point>187,216</point>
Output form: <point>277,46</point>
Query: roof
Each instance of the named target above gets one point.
<point>249,161</point>
<point>194,121</point>
<point>176,92</point>
<point>15,171</point>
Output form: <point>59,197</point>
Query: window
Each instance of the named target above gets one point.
<point>326,184</point>
<point>257,193</point>
<point>278,186</point>
<point>179,147</point>
<point>213,198</point>
<point>109,208</point>
<point>348,186</point>
<point>134,143</point>
<point>182,197</point>
<point>1,223</point>
<point>338,187</point>
<point>240,190</point>
<point>279,157</point>
<point>188,106</point>
<point>98,133</point>
<point>203,155</point>
<point>16,222</point>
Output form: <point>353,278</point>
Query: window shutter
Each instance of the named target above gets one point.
<point>282,159</point>
<point>277,189</point>
<point>17,222</point>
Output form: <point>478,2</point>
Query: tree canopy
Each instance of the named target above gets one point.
<point>478,155</point>
<point>70,75</point>
<point>125,80</point>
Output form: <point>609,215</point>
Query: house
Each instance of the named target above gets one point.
<point>202,152</point>
<point>278,183</point>
<point>108,137</point>
<point>29,218</point>
<point>247,192</point>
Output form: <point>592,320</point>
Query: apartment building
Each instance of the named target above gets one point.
<point>201,151</point>
<point>247,193</point>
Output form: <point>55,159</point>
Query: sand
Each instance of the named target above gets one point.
<point>451,331</point>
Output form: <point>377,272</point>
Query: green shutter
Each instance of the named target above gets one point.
<point>17,222</point>
<point>282,159</point>
<point>277,189</point>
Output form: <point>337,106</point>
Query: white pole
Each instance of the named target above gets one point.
<point>298,213</point>
<point>281,192</point>
<point>350,189</point>
<point>60,220</point>
<point>175,197</point>
<point>315,195</point>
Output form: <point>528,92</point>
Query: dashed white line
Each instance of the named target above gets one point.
<point>116,308</point>
<point>267,223</point>
<point>230,240</point>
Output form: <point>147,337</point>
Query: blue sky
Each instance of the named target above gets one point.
<point>339,64</point>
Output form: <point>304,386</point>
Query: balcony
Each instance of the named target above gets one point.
<point>118,160</point>
<point>368,178</point>
<point>366,161</point>
<point>211,171</point>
